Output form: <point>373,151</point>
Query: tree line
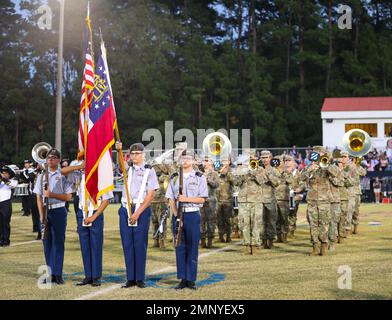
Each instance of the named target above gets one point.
<point>258,64</point>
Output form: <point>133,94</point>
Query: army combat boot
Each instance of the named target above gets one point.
<point>340,240</point>
<point>221,239</point>
<point>280,240</point>
<point>355,231</point>
<point>203,242</point>
<point>156,243</point>
<point>162,244</point>
<point>331,246</point>
<point>284,237</point>
<point>323,250</point>
<point>209,244</point>
<point>316,250</point>
<point>228,238</point>
<point>264,244</point>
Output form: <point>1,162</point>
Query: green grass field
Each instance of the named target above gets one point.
<point>286,272</point>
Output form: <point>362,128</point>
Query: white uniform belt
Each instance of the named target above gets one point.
<point>124,203</point>
<point>190,209</point>
<point>56,205</point>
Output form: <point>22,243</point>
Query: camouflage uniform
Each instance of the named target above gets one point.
<point>337,181</point>
<point>268,198</point>
<point>294,184</point>
<point>237,232</point>
<point>250,212</point>
<point>319,206</point>
<point>356,172</point>
<point>158,208</point>
<point>208,211</point>
<point>282,200</point>
<point>348,182</point>
<point>225,208</point>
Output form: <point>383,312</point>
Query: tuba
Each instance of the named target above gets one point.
<point>40,151</point>
<point>216,146</point>
<point>357,142</point>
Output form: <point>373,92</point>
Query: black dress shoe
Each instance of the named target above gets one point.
<point>96,282</point>
<point>39,236</point>
<point>85,281</point>
<point>191,285</point>
<point>140,284</point>
<point>6,244</point>
<point>129,283</point>
<point>181,285</point>
<point>58,279</point>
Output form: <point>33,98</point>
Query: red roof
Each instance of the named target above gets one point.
<point>357,104</point>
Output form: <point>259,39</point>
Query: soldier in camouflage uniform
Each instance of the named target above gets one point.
<point>319,203</point>
<point>336,180</point>
<point>354,192</point>
<point>158,206</point>
<point>250,212</point>
<point>208,211</point>
<point>298,187</point>
<point>282,200</point>
<point>225,203</point>
<point>270,182</point>
<point>348,182</point>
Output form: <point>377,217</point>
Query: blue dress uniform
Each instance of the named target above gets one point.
<point>195,185</point>
<point>90,237</point>
<point>135,239</point>
<point>57,220</point>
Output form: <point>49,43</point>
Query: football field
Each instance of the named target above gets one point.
<point>361,268</point>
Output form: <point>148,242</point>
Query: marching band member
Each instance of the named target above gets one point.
<point>6,184</point>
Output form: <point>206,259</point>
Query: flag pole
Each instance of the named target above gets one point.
<point>85,131</point>
<point>116,130</point>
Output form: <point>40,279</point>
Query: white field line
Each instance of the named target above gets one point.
<point>169,268</point>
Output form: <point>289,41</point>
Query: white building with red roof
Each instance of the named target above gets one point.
<point>372,114</point>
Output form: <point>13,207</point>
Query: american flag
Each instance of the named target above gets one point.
<point>102,119</point>
<point>87,89</point>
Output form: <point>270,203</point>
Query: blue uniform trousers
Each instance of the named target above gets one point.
<point>91,243</point>
<point>134,242</point>
<point>54,244</point>
<point>188,250</point>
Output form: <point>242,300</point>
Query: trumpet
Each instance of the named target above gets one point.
<point>255,164</point>
<point>324,161</point>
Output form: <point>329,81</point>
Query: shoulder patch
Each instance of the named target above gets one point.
<point>175,174</point>
<point>147,166</point>
<point>199,174</point>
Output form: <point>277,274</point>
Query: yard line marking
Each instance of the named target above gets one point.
<point>117,286</point>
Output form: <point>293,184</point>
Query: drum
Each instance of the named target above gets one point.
<point>21,190</point>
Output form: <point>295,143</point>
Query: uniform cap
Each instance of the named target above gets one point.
<point>54,152</point>
<point>265,154</point>
<point>136,147</point>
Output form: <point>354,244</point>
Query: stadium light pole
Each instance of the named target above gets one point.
<point>59,79</point>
